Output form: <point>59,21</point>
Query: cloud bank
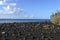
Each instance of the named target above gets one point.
<point>7,9</point>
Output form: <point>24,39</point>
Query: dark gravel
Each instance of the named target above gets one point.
<point>29,31</point>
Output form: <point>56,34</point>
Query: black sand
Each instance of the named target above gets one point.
<point>29,31</point>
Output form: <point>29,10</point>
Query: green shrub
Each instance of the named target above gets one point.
<point>55,18</point>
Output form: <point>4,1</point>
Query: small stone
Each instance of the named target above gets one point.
<point>3,32</point>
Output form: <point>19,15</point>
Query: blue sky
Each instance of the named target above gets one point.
<point>28,9</point>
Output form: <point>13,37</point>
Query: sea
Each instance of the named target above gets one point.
<point>22,20</point>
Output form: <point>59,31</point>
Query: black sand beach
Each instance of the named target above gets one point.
<point>29,31</point>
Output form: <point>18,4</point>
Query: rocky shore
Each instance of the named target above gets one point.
<point>29,31</point>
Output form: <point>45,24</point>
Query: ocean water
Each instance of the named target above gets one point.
<point>22,20</point>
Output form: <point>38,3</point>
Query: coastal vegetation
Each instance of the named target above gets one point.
<point>55,18</point>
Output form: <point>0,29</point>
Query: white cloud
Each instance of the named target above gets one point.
<point>8,10</point>
<point>18,11</point>
<point>8,7</point>
<point>13,4</point>
<point>1,2</point>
